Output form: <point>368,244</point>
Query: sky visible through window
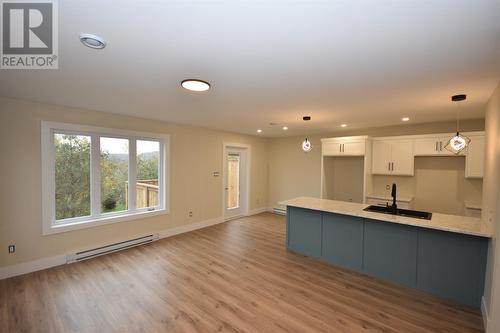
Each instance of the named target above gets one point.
<point>117,147</point>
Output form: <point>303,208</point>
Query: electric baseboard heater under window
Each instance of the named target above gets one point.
<point>99,251</point>
<point>279,211</point>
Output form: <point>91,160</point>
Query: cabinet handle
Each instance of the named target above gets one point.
<point>436,146</point>
<point>392,166</point>
<point>441,145</point>
<point>389,167</point>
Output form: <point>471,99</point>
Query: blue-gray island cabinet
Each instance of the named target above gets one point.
<point>444,263</point>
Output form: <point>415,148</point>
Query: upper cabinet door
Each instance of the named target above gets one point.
<point>331,148</point>
<point>402,158</point>
<point>381,158</point>
<point>433,146</point>
<point>474,160</point>
<point>428,146</point>
<point>354,148</point>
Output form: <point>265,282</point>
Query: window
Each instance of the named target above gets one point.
<point>88,172</point>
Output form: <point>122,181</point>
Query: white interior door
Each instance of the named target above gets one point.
<point>235,182</point>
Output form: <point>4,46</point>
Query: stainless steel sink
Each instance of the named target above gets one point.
<point>401,212</point>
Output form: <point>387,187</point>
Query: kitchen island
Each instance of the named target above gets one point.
<point>444,256</point>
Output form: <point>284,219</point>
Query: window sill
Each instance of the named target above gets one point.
<point>91,223</point>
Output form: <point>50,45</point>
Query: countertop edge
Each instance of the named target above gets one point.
<point>387,218</point>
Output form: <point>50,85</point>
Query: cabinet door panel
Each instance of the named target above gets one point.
<point>451,265</point>
<point>354,148</point>
<point>403,157</point>
<point>331,148</point>
<point>381,157</point>
<point>342,242</point>
<point>304,231</point>
<point>474,161</point>
<point>427,147</point>
<point>390,251</point>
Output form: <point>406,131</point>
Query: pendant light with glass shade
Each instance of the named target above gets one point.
<point>458,142</point>
<point>306,144</point>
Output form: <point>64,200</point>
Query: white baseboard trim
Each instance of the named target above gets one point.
<point>189,227</point>
<point>484,312</point>
<point>31,266</point>
<point>257,211</point>
<point>44,263</point>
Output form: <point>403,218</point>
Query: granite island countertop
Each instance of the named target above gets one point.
<point>445,222</point>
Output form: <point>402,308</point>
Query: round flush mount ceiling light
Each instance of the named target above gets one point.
<point>343,125</point>
<point>405,119</point>
<point>195,85</point>
<point>259,131</point>
<point>92,41</point>
<point>285,128</point>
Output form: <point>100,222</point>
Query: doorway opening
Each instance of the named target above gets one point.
<point>235,180</point>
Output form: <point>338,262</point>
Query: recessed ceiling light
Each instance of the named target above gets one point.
<point>92,41</point>
<point>195,85</point>
<point>285,128</point>
<point>259,131</point>
<point>343,125</point>
<point>405,119</point>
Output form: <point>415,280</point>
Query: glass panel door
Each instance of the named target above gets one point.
<point>233,181</point>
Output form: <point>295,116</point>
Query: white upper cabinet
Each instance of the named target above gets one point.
<point>393,157</point>
<point>432,146</point>
<point>474,160</point>
<point>347,146</point>
<point>381,157</point>
<point>403,161</point>
<point>331,148</point>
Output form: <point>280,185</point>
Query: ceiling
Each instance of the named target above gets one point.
<point>365,63</point>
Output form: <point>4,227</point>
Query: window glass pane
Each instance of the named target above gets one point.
<point>233,181</point>
<point>114,174</point>
<point>148,157</point>
<point>72,175</point>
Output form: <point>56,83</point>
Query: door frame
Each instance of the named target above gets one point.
<point>246,174</point>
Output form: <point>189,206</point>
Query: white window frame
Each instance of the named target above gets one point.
<point>96,218</point>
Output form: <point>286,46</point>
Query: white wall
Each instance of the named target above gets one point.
<point>491,211</point>
<point>195,153</point>
<point>293,173</point>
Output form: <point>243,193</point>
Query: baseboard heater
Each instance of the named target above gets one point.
<point>99,251</point>
<point>279,211</point>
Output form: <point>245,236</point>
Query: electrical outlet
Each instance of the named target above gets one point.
<point>190,214</point>
<point>12,248</point>
<point>387,187</point>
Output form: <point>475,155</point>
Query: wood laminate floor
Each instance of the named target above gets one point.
<point>233,277</point>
